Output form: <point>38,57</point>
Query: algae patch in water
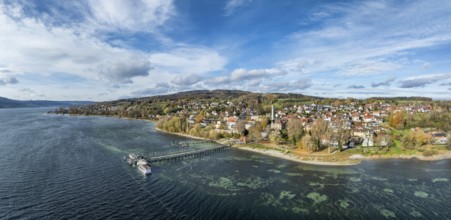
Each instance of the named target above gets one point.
<point>269,199</point>
<point>388,190</point>
<point>281,166</point>
<point>334,171</point>
<point>379,178</point>
<point>224,183</point>
<point>387,213</point>
<point>293,174</point>
<point>316,197</point>
<point>435,180</point>
<point>355,179</point>
<point>416,214</point>
<point>254,183</point>
<point>320,185</point>
<point>421,194</point>
<point>241,159</point>
<point>344,204</point>
<point>286,195</point>
<point>298,210</point>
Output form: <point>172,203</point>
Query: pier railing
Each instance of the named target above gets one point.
<point>189,149</point>
<point>186,154</point>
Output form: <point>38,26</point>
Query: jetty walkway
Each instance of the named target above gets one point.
<point>187,154</point>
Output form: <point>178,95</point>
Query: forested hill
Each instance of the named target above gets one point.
<point>213,95</point>
<point>10,103</point>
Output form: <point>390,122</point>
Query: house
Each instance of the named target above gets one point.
<point>368,118</point>
<point>439,137</point>
<point>218,124</point>
<point>368,138</point>
<point>231,122</point>
<point>355,116</point>
<point>359,133</point>
<point>441,140</point>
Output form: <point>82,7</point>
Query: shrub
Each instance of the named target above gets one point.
<point>428,153</point>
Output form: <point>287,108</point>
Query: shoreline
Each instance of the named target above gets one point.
<point>271,153</point>
<point>312,158</point>
<point>278,154</point>
<point>443,156</point>
<point>300,159</point>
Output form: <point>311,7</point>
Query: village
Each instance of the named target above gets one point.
<point>368,123</point>
<point>312,125</point>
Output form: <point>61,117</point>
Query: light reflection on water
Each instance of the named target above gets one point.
<point>56,166</point>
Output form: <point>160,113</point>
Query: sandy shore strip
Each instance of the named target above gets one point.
<point>278,154</point>
<point>443,156</point>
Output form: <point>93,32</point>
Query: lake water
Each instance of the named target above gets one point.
<point>72,167</point>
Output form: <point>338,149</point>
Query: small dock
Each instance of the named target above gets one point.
<point>187,154</point>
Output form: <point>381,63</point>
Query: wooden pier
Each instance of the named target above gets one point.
<point>186,154</point>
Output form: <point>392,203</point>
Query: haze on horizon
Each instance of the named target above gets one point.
<point>110,49</point>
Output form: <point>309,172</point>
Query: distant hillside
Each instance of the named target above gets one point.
<point>210,94</point>
<point>10,103</point>
<point>195,94</point>
<point>411,98</point>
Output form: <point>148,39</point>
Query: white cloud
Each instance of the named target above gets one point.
<point>30,46</point>
<point>35,45</point>
<point>8,80</point>
<point>233,5</point>
<point>386,82</point>
<point>367,38</point>
<point>186,80</point>
<point>244,74</point>
<point>138,15</point>
<point>423,80</point>
<point>122,71</point>
<point>288,86</point>
<point>188,60</point>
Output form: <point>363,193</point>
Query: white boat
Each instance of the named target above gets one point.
<point>132,158</point>
<point>144,166</point>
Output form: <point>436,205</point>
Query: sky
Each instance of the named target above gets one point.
<point>102,50</point>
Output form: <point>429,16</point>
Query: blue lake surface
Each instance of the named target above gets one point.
<point>72,167</point>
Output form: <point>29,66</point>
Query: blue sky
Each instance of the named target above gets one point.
<point>110,49</point>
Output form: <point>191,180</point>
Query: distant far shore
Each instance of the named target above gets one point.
<point>315,158</point>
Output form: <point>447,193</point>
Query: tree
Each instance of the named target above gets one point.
<point>319,129</point>
<point>277,137</point>
<point>306,142</point>
<point>342,134</point>
<point>195,130</point>
<point>255,133</point>
<point>295,130</point>
<point>415,138</point>
<point>240,125</point>
<point>200,117</point>
<point>449,140</point>
<point>397,120</point>
<point>264,122</point>
<point>384,140</point>
<point>409,140</point>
